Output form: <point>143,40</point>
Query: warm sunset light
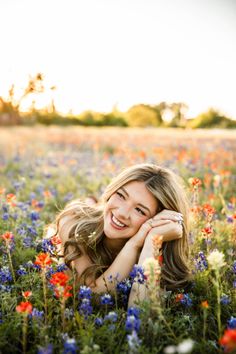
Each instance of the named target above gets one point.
<point>101,53</point>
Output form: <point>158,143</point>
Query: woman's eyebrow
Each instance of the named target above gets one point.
<point>143,206</point>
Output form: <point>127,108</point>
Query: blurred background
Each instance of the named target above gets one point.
<point>118,62</point>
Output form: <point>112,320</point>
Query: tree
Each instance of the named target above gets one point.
<point>141,115</point>
<point>212,119</point>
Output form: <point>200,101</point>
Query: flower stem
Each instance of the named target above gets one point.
<point>11,265</point>
<point>24,333</point>
<point>45,294</point>
<point>218,308</point>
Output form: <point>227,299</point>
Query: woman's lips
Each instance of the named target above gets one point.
<point>116,226</point>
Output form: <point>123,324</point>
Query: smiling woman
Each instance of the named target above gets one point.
<point>108,238</point>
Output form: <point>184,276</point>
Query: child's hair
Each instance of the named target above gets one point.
<point>84,225</point>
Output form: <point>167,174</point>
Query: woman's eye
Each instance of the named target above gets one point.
<point>140,211</point>
<point>120,195</point>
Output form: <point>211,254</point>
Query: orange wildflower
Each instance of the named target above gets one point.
<point>43,260</point>
<point>195,182</point>
<point>204,304</point>
<point>179,297</point>
<point>25,307</point>
<point>26,294</point>
<point>8,237</point>
<point>228,340</point>
<point>11,199</point>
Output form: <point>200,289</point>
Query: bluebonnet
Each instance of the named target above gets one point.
<point>201,262</point>
<point>47,246</point>
<point>61,267</point>
<point>27,242</point>
<point>5,216</point>
<point>137,274</point>
<point>1,321</point>
<point>34,215</point>
<point>133,342</point>
<point>132,323</point>
<point>232,322</point>
<point>37,314</point>
<point>69,313</point>
<point>46,350</point>
<point>85,307</point>
<point>5,288</point>
<point>225,300</point>
<point>98,321</point>
<point>186,300</point>
<point>230,219</point>
<point>85,292</point>
<point>21,271</point>
<point>70,346</point>
<point>5,208</point>
<point>234,267</point>
<point>106,299</point>
<point>133,311</point>
<point>111,316</point>
<point>124,287</point>
<point>234,284</point>
<point>5,275</point>
<point>68,197</point>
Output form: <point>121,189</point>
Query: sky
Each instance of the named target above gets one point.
<point>105,53</point>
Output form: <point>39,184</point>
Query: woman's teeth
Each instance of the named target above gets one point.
<point>117,222</point>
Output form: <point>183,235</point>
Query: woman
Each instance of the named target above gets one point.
<point>103,240</point>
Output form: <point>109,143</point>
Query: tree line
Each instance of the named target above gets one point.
<point>162,114</point>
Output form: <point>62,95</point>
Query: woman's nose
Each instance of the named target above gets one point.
<point>123,213</point>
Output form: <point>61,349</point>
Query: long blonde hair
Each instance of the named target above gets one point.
<point>84,225</point>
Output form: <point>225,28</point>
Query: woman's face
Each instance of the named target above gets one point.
<point>127,209</point>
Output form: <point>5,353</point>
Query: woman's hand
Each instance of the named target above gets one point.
<point>171,230</point>
<point>137,241</point>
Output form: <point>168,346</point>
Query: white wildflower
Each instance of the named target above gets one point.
<point>170,349</point>
<point>185,347</point>
<point>216,259</point>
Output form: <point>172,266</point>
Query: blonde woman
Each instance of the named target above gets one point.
<point>105,239</point>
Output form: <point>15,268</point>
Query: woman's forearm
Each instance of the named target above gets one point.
<point>120,268</point>
<point>139,291</point>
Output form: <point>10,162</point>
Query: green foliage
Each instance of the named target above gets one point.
<point>142,115</point>
<point>212,119</point>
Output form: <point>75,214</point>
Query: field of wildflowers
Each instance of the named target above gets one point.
<point>41,311</point>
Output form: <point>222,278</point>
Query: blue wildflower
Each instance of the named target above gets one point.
<point>232,322</point>
<point>225,300</point>
<point>137,274</point>
<point>106,299</point>
<point>132,323</point>
<point>27,242</point>
<point>69,313</point>
<point>21,271</point>
<point>37,314</point>
<point>133,342</point>
<point>186,300</point>
<point>70,346</point>
<point>111,317</point>
<point>85,292</point>
<point>5,275</point>
<point>5,216</point>
<point>5,288</point>
<point>46,350</point>
<point>98,321</point>
<point>234,267</point>
<point>85,308</point>
<point>133,311</point>
<point>124,287</point>
<point>201,262</point>
<point>34,215</point>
